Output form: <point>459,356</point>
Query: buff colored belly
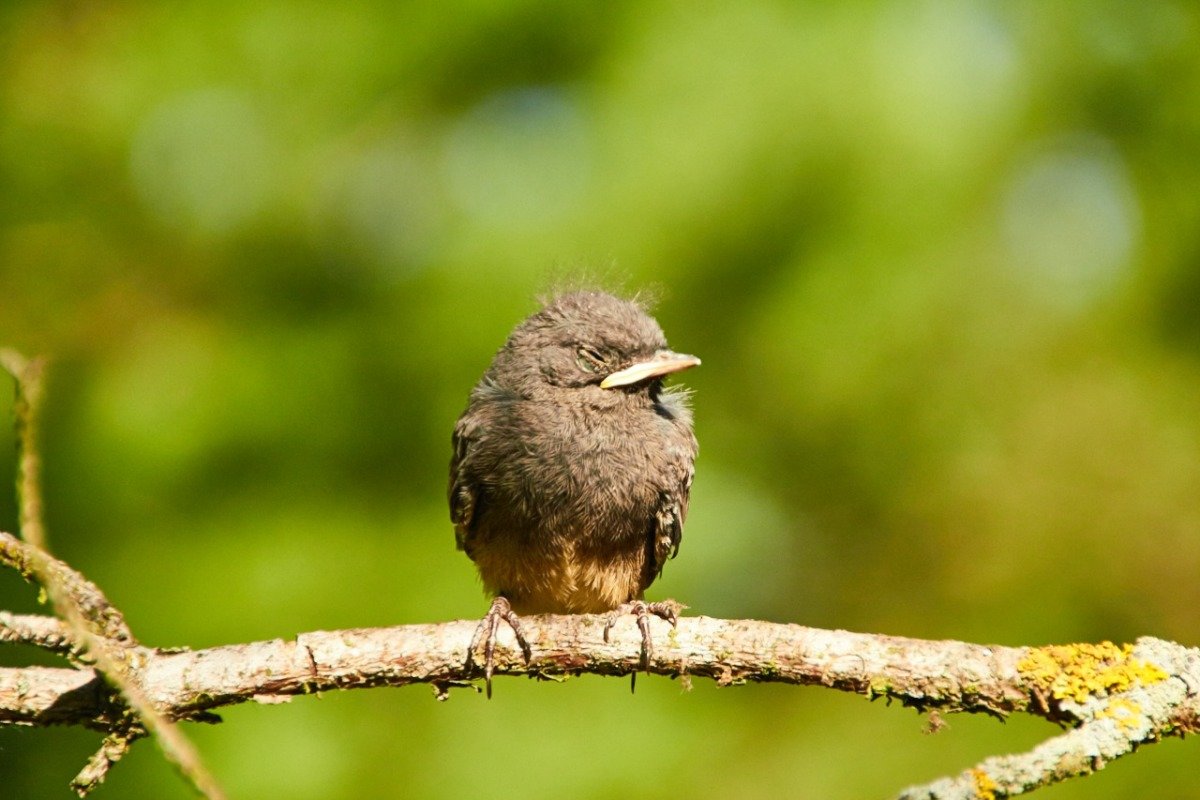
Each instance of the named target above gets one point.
<point>562,582</point>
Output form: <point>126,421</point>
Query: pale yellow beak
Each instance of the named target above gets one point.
<point>664,362</point>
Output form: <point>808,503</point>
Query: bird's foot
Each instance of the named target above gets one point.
<point>486,634</point>
<point>666,609</point>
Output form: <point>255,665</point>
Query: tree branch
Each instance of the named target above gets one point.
<point>96,629</point>
<point>1116,697</point>
<point>97,632</point>
<point>49,633</point>
<point>1112,697</point>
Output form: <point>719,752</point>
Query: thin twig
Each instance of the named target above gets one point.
<point>28,374</point>
<point>77,593</point>
<point>49,633</point>
<point>104,637</point>
<point>112,749</point>
<point>100,630</point>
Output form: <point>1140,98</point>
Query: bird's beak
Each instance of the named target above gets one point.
<point>664,362</point>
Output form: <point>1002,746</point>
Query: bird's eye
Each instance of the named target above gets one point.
<point>590,359</point>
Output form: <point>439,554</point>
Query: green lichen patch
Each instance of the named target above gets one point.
<point>1078,671</point>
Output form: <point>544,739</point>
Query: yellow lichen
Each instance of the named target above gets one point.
<point>1077,671</point>
<point>1127,713</point>
<point>985,787</point>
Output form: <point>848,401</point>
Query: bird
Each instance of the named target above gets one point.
<point>572,468</point>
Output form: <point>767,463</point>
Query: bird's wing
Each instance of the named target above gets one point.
<point>668,521</point>
<point>489,407</point>
<point>463,489</point>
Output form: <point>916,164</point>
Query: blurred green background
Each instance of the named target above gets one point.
<point>941,260</point>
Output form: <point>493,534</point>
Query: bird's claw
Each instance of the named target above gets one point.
<point>486,633</point>
<point>666,609</point>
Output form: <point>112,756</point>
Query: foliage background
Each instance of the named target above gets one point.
<point>941,260</point>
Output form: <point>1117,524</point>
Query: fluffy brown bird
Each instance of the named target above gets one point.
<point>572,467</point>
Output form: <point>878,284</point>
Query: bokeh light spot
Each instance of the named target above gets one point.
<point>520,158</point>
<point>202,160</point>
<point>387,197</point>
<point>1070,220</point>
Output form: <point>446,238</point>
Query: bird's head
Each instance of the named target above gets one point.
<point>589,341</point>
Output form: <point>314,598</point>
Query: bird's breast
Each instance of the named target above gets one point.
<point>605,460</point>
<point>568,512</point>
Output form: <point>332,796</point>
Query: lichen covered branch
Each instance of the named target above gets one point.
<point>1112,698</point>
<point>1115,697</point>
<point>1068,684</point>
<point>1121,697</point>
<point>48,633</point>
